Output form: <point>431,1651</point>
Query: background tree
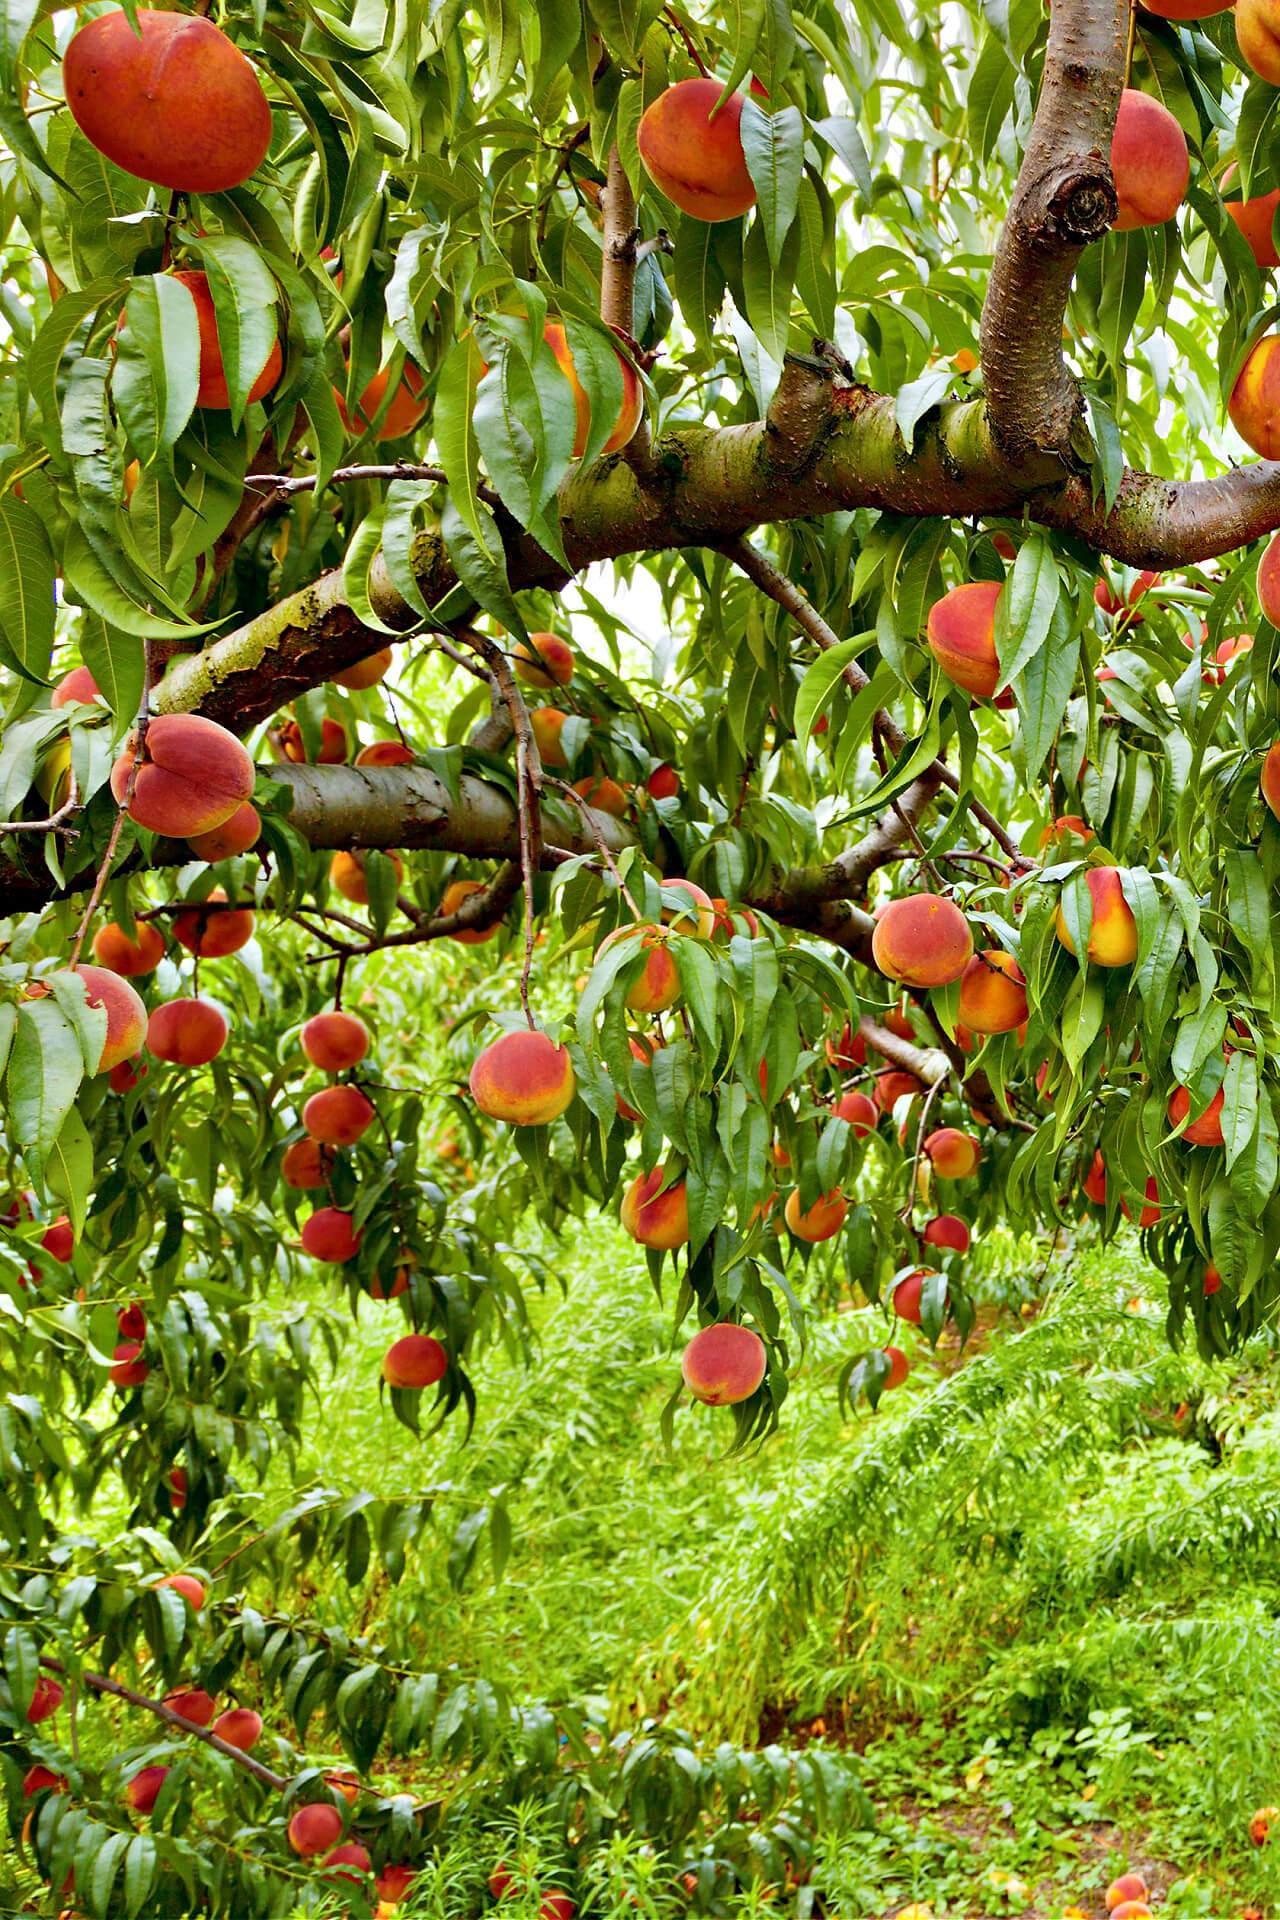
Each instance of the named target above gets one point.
<point>924,880</point>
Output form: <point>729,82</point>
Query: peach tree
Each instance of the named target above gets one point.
<point>734,526</point>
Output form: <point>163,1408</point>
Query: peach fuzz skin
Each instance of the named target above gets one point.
<point>922,940</point>
<point>328,1236</point>
<point>653,1216</point>
<point>334,1041</point>
<point>240,1727</point>
<point>187,1033</point>
<point>1269,779</point>
<point>629,412</point>
<point>1254,406</point>
<point>961,636</point>
<point>126,1015</point>
<point>365,673</point>
<point>452,898</point>
<point>697,161</point>
<point>213,390</point>
<point>1255,218</point>
<point>305,1164</point>
<point>724,1364</point>
<point>114,950</point>
<point>176,103</point>
<point>236,835</point>
<point>408,407</point>
<point>193,776</point>
<point>347,876</point>
<point>822,1221</point>
<point>544,660</point>
<point>1205,1130</point>
<point>1149,162</point>
<point>338,1116</point>
<point>416,1361</point>
<point>1113,932</point>
<point>954,1155</point>
<point>75,688</point>
<point>1258,37</point>
<point>212,933</point>
<point>314,1829</point>
<point>993,993</point>
<point>523,1078</point>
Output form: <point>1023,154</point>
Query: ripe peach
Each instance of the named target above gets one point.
<point>329,1235</point>
<point>954,1155</point>
<point>1105,597</point>
<point>130,1368</point>
<point>347,875</point>
<point>821,1221</point>
<point>544,660</point>
<point>408,407</point>
<point>1067,827</point>
<point>74,689</point>
<point>365,673</point>
<point>692,911</point>
<point>1094,1183</point>
<point>1149,1216</point>
<point>399,1285</point>
<point>240,1727</point>
<point>655,1217</point>
<point>314,1828</point>
<point>1269,781</point>
<point>523,1078</point>
<point>208,931</point>
<point>213,390</point>
<point>905,1299</point>
<point>1185,9</point>
<point>993,993</point>
<point>1224,653</point>
<point>1206,1129</point>
<point>1130,1886</point>
<point>1258,38</point>
<point>922,940</point>
<point>857,1112</point>
<point>1261,1824</point>
<point>175,102</point>
<point>349,1862</point>
<point>452,898</point>
<point>40,1779</point>
<point>947,1230</point>
<point>657,986</point>
<point>1149,162</point>
<point>131,1324</point>
<point>1254,405</point>
<point>894,1086</point>
<point>236,835</point>
<point>334,1041</point>
<point>46,1698</point>
<point>193,1704</point>
<point>629,412</point>
<point>548,724</point>
<point>1132,1910</point>
<point>663,783</point>
<point>338,1116</point>
<point>306,1164</point>
<point>1113,933</point>
<point>1255,218</point>
<point>188,1033</point>
<point>1269,580</point>
<point>58,1239</point>
<point>334,745</point>
<point>604,794</point>
<point>1212,1281</point>
<point>556,1906</point>
<point>143,1790</point>
<point>343,1781</point>
<point>899,1367</point>
<point>393,1883</point>
<point>961,636</point>
<point>384,753</point>
<point>191,1589</point>
<point>126,1015</point>
<point>193,776</point>
<point>848,1051</point>
<point>415,1361</point>
<point>724,1364</point>
<point>176,1480</point>
<point>697,161</point>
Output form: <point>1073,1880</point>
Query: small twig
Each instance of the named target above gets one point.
<point>290,483</point>
<point>910,1207</point>
<point>688,39</point>
<point>122,811</point>
<point>593,828</point>
<point>566,154</point>
<point>54,823</point>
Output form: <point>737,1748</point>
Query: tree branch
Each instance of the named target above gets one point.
<point>102,1683</point>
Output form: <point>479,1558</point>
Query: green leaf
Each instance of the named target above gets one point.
<point>26,587</point>
<point>45,1069</point>
<point>1026,607</point>
<point>773,144</point>
<point>116,662</point>
<point>453,424</point>
<point>157,370</point>
<point>245,298</point>
<point>69,1169</point>
<point>842,136</point>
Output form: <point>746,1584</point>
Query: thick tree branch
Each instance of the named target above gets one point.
<point>102,1683</point>
<point>929,1064</point>
<point>846,877</point>
<point>618,265</point>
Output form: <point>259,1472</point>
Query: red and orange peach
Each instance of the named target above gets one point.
<point>523,1078</point>
<point>724,1364</point>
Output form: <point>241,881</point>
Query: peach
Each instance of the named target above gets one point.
<point>365,673</point>
<point>75,688</point>
<point>1212,1281</point>
<point>1149,1216</point>
<point>1269,780</point>
<point>952,1154</point>
<point>657,986</point>
<point>329,1235</point>
<point>130,1366</point>
<point>1254,405</point>
<point>1111,604</point>
<point>46,1698</point>
<point>1269,580</point>
<point>822,1221</point>
<point>1113,932</point>
<point>899,1367</point>
<point>176,1480</point>
<point>523,1078</point>
<point>347,875</point>
<point>126,1015</point>
<point>175,103</point>
<point>40,1779</point>
<point>1094,1184</point>
<point>58,1239</point>
<point>415,1361</point>
<point>1185,9</point>
<point>993,993</point>
<point>1206,1129</point>
<point>857,1112</point>
<point>314,1828</point>
<point>349,1862</point>
<point>629,411</point>
<point>1224,653</point>
<point>209,931</point>
<point>1132,1910</point>
<point>548,724</point>
<point>922,940</point>
<point>143,1790</point>
<point>193,1704</point>
<point>604,794</point>
<point>187,1033</point>
<point>894,1086</point>
<point>1261,1824</point>
<point>240,1727</point>
<point>905,1299</point>
<point>193,775</point>
<point>236,835</point>
<point>213,390</point>
<point>556,1906</point>
<point>544,660</point>
<point>408,407</point>
<point>848,1051</point>
<point>343,1781</point>
<point>452,898</point>
<point>1149,162</point>
<point>399,1285</point>
<point>947,1230</point>
<point>1067,827</point>
<point>1255,218</point>
<point>961,635</point>
<point>334,745</point>
<point>131,1324</point>
<point>692,911</point>
<point>306,1164</point>
<point>643,1051</point>
<point>733,919</point>
<point>394,1882</point>
<point>1129,1886</point>
<point>695,159</point>
<point>384,753</point>
<point>338,1116</point>
<point>1258,38</point>
<point>663,783</point>
<point>191,1589</point>
<point>724,1364</point>
<point>654,1216</point>
<point>334,1041</point>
